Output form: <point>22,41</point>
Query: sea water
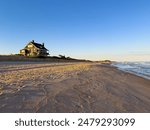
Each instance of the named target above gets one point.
<point>139,68</point>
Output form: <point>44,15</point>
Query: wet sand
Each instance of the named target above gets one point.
<point>74,87</point>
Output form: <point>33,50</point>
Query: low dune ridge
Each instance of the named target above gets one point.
<point>71,87</point>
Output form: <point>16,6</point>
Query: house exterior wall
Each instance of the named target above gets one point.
<point>22,52</point>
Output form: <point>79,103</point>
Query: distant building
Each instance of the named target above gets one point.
<point>34,49</point>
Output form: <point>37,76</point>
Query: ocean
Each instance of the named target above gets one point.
<point>139,68</point>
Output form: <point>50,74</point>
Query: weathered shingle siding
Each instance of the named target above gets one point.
<point>34,49</point>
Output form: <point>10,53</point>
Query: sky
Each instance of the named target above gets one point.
<point>87,29</point>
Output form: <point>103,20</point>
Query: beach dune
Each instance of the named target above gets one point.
<point>71,87</point>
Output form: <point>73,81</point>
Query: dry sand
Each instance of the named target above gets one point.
<point>74,87</point>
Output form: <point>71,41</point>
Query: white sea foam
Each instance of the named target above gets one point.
<point>139,68</point>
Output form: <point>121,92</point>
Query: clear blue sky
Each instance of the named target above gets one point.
<point>89,29</point>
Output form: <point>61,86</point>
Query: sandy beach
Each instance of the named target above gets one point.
<point>71,87</point>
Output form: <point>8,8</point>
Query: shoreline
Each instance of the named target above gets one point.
<point>141,69</point>
<point>81,87</point>
<point>136,74</point>
<point>133,73</point>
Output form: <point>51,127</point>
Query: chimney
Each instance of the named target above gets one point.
<point>43,44</point>
<point>33,41</point>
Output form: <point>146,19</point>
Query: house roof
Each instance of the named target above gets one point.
<point>40,46</point>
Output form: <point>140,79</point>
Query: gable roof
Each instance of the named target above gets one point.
<point>38,45</point>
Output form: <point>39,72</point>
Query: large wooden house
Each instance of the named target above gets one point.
<point>34,49</point>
